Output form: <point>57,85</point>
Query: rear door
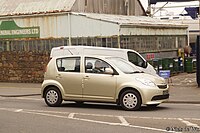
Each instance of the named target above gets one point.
<point>69,76</point>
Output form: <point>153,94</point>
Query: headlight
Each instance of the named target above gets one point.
<point>146,82</point>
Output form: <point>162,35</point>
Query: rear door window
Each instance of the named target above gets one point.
<point>70,64</point>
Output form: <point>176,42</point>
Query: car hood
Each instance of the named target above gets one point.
<point>156,79</point>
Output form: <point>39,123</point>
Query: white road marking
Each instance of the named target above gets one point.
<point>157,118</point>
<point>18,110</point>
<point>71,115</point>
<point>135,117</point>
<point>195,119</point>
<point>123,120</point>
<point>97,115</point>
<point>145,117</point>
<point>189,123</point>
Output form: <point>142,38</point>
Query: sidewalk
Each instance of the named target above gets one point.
<point>19,89</point>
<point>183,89</point>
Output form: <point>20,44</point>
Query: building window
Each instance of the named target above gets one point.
<point>86,2</point>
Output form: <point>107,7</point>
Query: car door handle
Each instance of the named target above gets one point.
<point>58,76</point>
<point>86,77</point>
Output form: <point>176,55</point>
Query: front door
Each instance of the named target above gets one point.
<point>97,84</point>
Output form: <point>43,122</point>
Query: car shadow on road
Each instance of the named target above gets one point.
<point>108,106</point>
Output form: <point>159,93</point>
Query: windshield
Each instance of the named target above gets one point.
<point>124,65</point>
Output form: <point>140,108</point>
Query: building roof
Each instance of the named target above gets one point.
<point>124,20</point>
<point>20,7</point>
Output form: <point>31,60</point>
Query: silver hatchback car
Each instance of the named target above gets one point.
<point>101,79</point>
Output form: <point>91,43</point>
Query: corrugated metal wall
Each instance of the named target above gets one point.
<point>120,7</point>
<point>126,30</point>
<point>91,27</point>
<point>60,26</point>
<point>50,26</point>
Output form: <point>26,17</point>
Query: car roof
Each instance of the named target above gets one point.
<point>93,56</point>
<point>91,47</point>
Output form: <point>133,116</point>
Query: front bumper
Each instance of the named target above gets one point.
<point>155,95</point>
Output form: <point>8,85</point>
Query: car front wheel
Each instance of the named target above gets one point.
<point>130,100</point>
<point>53,97</point>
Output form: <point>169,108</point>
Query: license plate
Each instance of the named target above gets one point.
<point>165,92</point>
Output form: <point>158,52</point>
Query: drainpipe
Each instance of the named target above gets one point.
<point>69,29</point>
<point>188,37</point>
<point>118,38</point>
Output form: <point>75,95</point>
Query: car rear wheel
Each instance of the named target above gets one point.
<point>130,100</point>
<point>53,97</point>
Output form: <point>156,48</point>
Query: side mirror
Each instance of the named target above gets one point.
<point>109,71</point>
<point>144,65</point>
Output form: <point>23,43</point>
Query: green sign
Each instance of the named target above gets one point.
<point>9,29</point>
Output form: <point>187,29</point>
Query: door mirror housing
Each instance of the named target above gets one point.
<point>109,71</point>
<point>144,65</point>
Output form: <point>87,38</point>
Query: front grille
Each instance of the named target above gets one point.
<point>160,97</point>
<point>162,86</point>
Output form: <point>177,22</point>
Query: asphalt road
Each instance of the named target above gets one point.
<point>31,115</point>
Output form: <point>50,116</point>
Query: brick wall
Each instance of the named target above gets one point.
<point>23,66</point>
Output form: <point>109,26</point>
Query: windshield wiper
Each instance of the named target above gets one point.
<point>136,72</point>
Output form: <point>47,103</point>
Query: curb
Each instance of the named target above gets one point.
<point>183,102</point>
<point>24,95</point>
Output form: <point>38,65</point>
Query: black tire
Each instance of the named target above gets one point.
<point>53,97</point>
<point>130,100</point>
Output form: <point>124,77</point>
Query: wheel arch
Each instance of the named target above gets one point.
<point>49,86</point>
<point>125,89</point>
<point>51,83</point>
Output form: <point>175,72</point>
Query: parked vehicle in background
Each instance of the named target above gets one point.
<point>83,78</point>
<point>127,54</point>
